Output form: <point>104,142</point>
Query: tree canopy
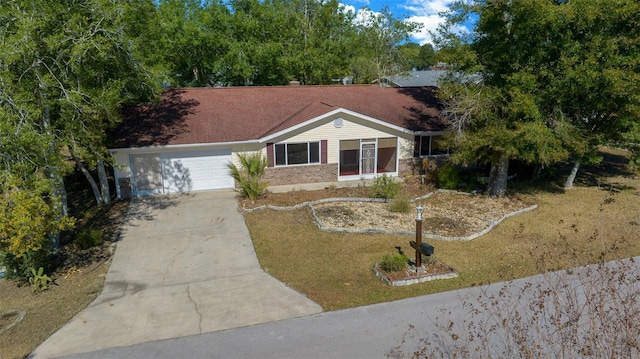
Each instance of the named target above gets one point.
<point>66,67</point>
<point>272,42</point>
<point>545,80</point>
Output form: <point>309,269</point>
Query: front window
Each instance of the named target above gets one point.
<point>349,157</point>
<point>387,153</point>
<point>432,146</point>
<point>287,154</point>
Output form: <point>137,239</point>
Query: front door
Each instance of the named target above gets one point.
<point>367,158</point>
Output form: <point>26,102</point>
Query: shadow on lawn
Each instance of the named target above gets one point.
<point>612,165</point>
<point>606,175</point>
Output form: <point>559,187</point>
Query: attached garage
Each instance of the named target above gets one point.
<point>179,172</point>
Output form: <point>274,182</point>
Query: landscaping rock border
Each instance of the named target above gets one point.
<point>418,278</point>
<point>490,224</point>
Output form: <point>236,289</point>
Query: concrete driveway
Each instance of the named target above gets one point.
<point>185,265</point>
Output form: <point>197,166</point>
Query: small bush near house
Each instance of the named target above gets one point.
<point>384,187</point>
<point>393,262</point>
<point>634,163</point>
<point>448,176</point>
<point>400,204</point>
<point>429,170</point>
<point>249,175</point>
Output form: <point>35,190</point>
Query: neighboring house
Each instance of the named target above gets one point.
<point>308,134</point>
<point>414,79</point>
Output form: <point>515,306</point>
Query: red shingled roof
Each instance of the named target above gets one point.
<point>210,115</point>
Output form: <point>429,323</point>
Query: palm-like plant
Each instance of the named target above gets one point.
<point>249,174</point>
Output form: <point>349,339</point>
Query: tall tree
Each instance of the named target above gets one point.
<point>67,66</point>
<point>29,99</point>
<point>547,97</point>
<point>255,50</point>
<point>596,80</point>
<point>380,35</point>
<point>417,57</point>
<point>318,38</point>
<point>193,38</point>
<point>271,42</point>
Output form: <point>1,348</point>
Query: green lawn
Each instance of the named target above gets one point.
<point>581,226</point>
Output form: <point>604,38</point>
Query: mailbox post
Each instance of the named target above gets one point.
<point>418,262</point>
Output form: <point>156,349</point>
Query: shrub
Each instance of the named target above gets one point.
<point>448,176</point>
<point>393,262</point>
<point>249,174</point>
<point>384,187</point>
<point>400,204</point>
<point>430,170</point>
<point>88,238</point>
<point>28,218</point>
<point>38,280</point>
<point>19,268</point>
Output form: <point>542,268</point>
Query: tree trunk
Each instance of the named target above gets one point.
<point>92,182</point>
<point>59,203</point>
<point>538,172</point>
<point>568,184</point>
<point>104,183</point>
<point>61,191</point>
<point>498,176</point>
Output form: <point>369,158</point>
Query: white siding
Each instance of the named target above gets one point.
<point>122,164</point>
<point>247,149</point>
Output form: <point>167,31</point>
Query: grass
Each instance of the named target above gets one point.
<point>47,311</point>
<point>585,225</point>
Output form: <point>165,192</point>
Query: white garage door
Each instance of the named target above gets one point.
<point>147,174</point>
<point>184,171</point>
<point>196,170</point>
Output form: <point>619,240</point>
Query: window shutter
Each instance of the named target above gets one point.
<point>323,151</point>
<point>416,146</point>
<point>270,154</point>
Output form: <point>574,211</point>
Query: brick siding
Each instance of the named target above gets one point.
<point>277,176</point>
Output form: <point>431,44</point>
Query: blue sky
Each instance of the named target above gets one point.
<point>421,11</point>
